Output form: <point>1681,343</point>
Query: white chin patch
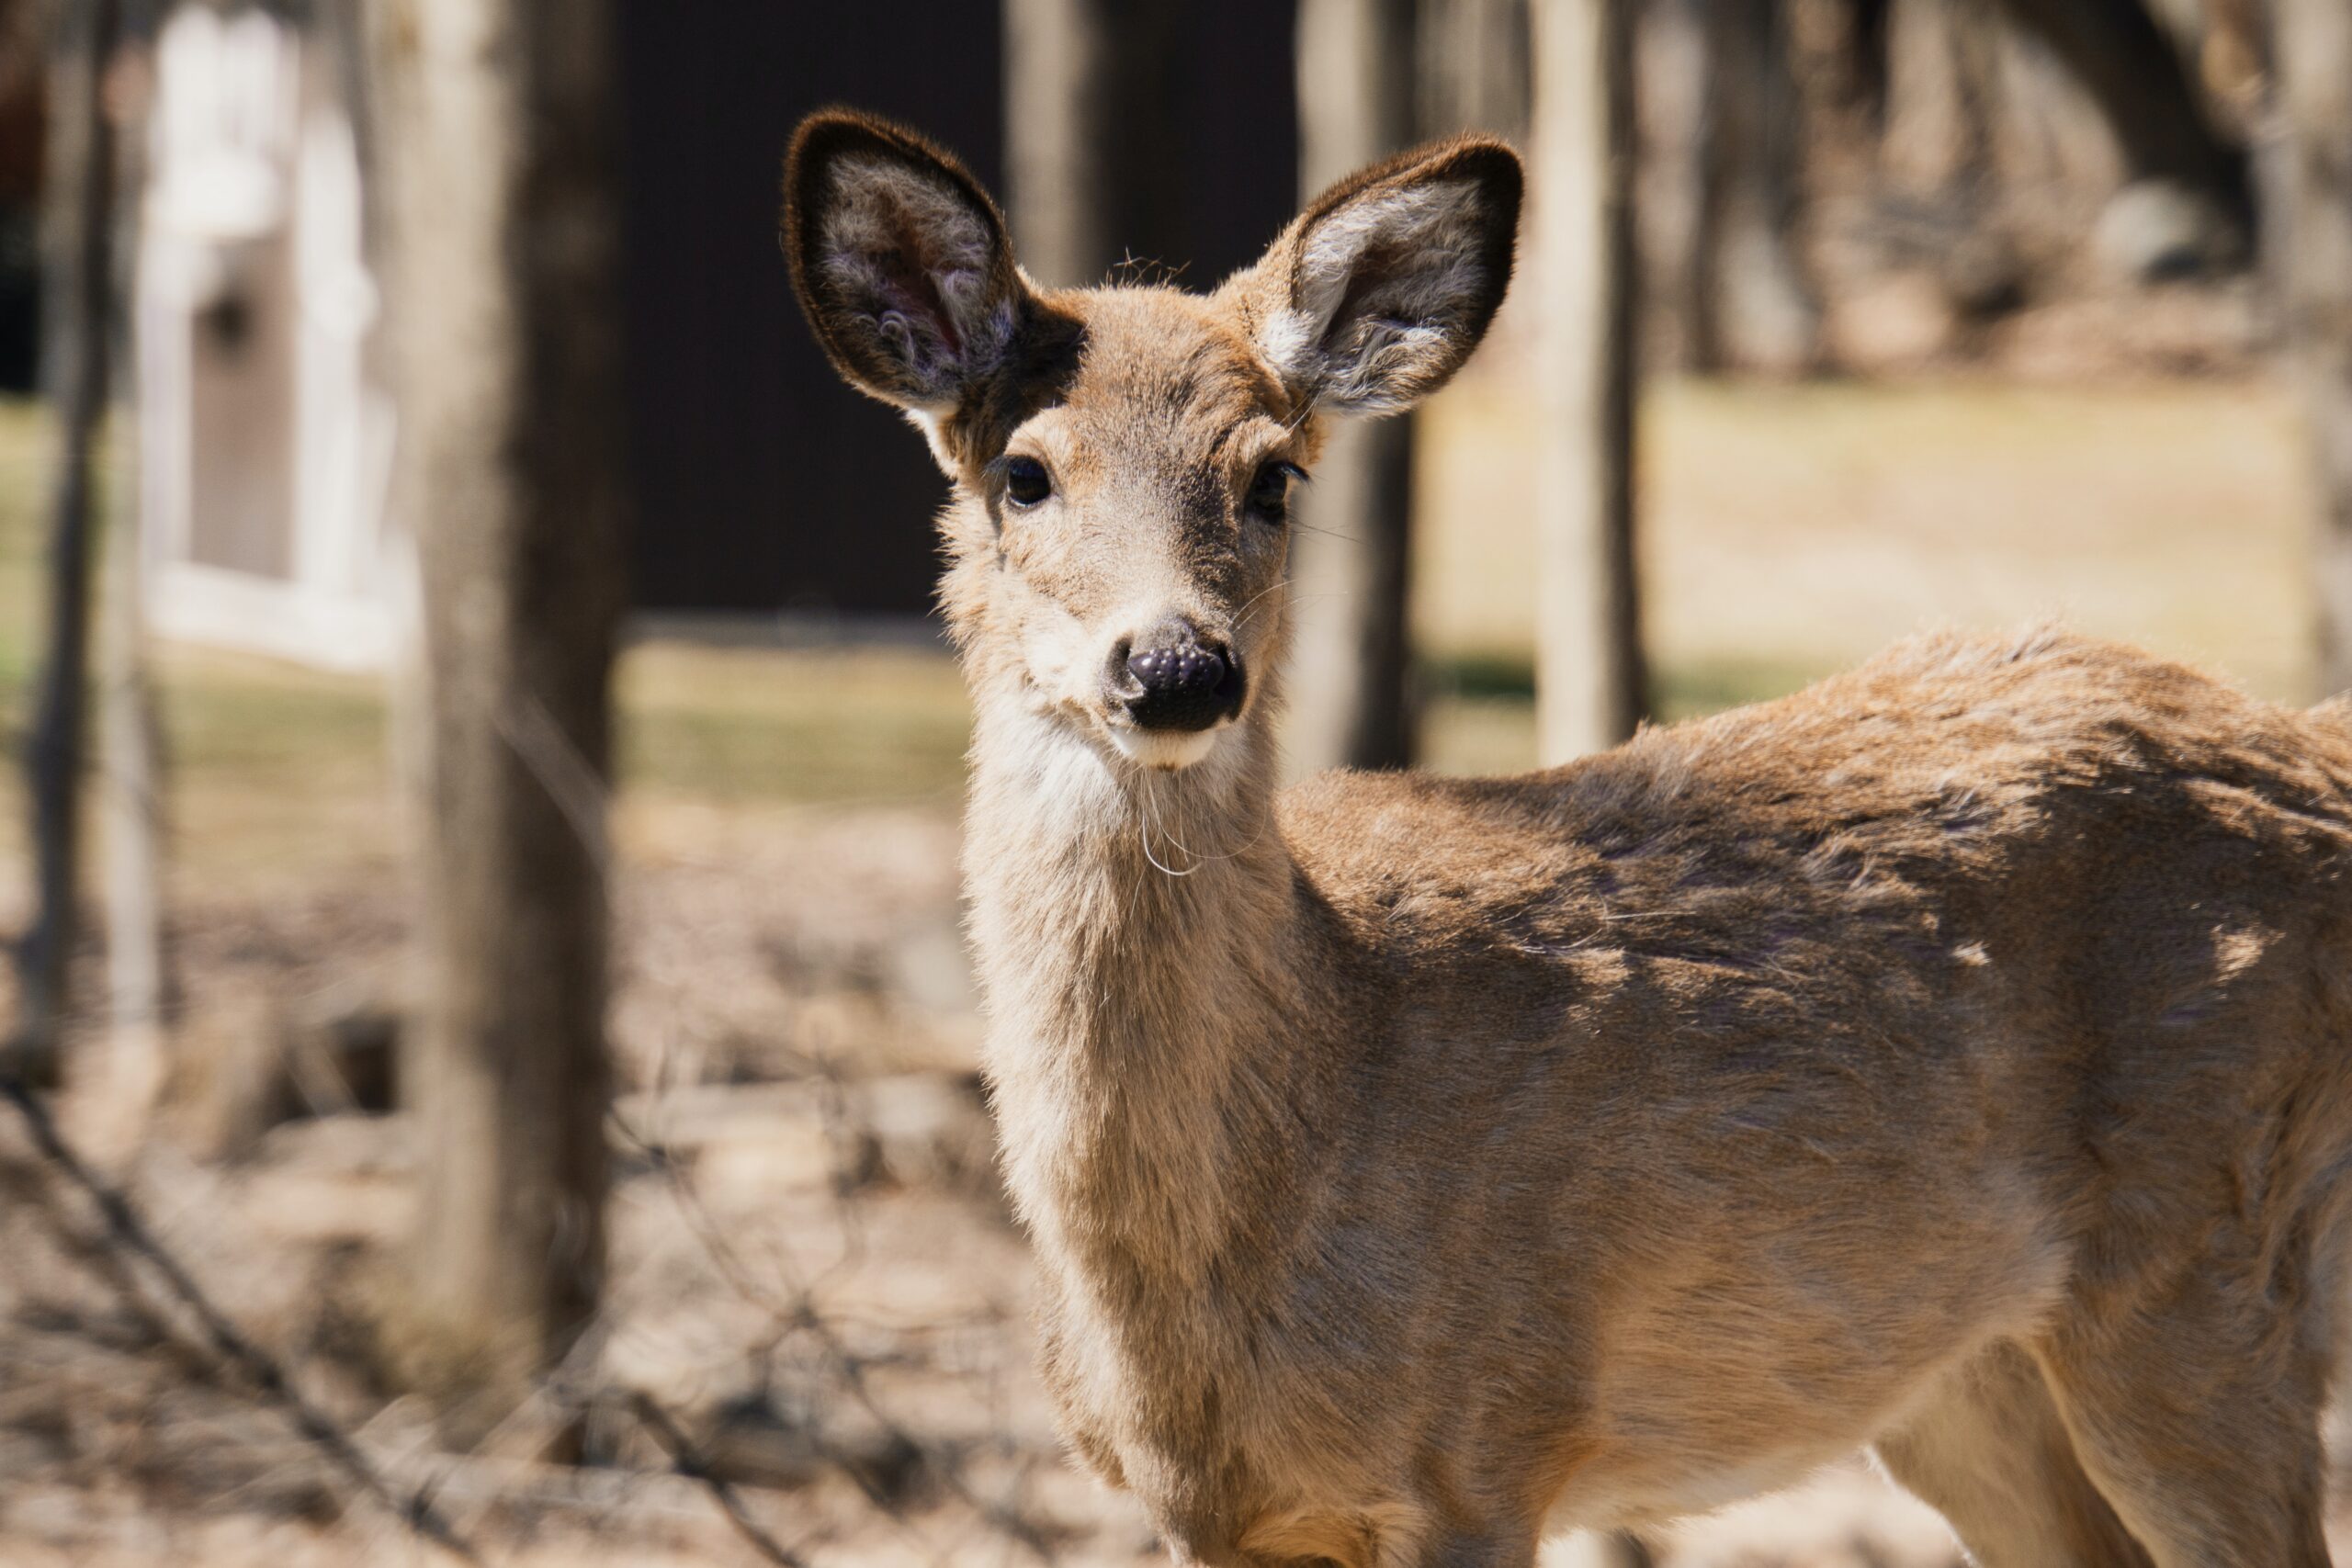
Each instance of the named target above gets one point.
<point>1165,749</point>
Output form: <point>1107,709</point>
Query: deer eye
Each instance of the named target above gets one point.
<point>1270,491</point>
<point>1026,483</point>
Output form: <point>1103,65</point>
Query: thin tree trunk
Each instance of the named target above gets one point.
<point>79,275</point>
<point>1869,26</point>
<point>1089,94</point>
<point>1474,74</point>
<point>130,799</point>
<point>1749,294</point>
<point>2121,55</point>
<point>2314,55</point>
<point>1941,97</point>
<point>130,807</point>
<point>1589,674</point>
<point>1351,685</point>
<point>496,136</point>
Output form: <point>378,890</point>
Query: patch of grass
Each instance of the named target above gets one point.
<point>798,727</point>
<point>1807,526</point>
<point>275,768</point>
<point>1679,688</point>
<point>1481,716</point>
<point>21,432</point>
<point>1691,688</point>
<point>1480,675</point>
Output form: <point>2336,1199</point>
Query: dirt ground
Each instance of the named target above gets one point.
<point>813,1275</point>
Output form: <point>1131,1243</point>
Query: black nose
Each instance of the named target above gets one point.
<point>1174,678</point>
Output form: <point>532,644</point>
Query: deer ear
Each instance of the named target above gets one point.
<point>899,260</point>
<point>1374,295</point>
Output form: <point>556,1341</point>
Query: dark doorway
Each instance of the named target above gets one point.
<point>763,482</point>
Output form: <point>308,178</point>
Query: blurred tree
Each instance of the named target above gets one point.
<point>495,130</point>
<point>23,153</point>
<point>1351,548</point>
<point>131,795</point>
<point>2122,57</point>
<point>1088,95</point>
<point>1750,295</point>
<point>1579,277</point>
<point>1941,80</point>
<point>1865,76</point>
<point>1474,73</point>
<point>78,276</point>
<point>2314,60</point>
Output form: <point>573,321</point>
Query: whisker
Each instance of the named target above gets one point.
<point>1151,820</point>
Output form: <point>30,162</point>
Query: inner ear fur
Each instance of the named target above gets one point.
<point>1380,289</point>
<point>899,261</point>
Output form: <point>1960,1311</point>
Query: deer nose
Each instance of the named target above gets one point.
<point>1173,677</point>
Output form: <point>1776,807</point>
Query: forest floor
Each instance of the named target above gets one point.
<point>812,1269</point>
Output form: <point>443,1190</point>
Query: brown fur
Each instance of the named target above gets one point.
<point>1950,1057</point>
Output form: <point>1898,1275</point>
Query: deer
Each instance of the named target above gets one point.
<point>1947,1062</point>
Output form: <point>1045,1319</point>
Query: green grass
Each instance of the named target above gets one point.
<point>1802,527</point>
<point>20,431</point>
<point>764,726</point>
<point>20,443</point>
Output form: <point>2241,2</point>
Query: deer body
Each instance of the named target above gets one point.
<point>1949,1058</point>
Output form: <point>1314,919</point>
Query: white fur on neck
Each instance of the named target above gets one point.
<point>1106,904</point>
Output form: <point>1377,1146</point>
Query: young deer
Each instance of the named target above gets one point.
<point>1949,1058</point>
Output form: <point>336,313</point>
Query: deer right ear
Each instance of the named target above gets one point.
<point>1380,289</point>
<point>899,260</point>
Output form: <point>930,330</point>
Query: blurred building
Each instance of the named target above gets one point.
<point>764,489</point>
<point>266,433</point>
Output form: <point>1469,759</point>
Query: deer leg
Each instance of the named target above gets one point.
<point>2199,1420</point>
<point>1989,1452</point>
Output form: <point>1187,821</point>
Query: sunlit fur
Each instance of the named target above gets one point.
<point>1949,1058</point>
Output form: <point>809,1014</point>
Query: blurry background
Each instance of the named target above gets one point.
<point>482,876</point>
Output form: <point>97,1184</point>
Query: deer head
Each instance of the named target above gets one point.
<point>1122,458</point>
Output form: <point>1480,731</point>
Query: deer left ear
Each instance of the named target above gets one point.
<point>900,262</point>
<point>1374,295</point>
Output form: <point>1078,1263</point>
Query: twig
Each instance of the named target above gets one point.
<point>222,1338</point>
<point>687,1460</point>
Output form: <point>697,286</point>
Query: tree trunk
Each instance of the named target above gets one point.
<point>1940,97</point>
<point>2314,56</point>
<point>1474,73</point>
<point>130,797</point>
<point>78,276</point>
<point>1090,98</point>
<point>2121,55</point>
<point>1588,675</point>
<point>1750,296</point>
<point>496,136</point>
<point>1350,686</point>
<point>1866,61</point>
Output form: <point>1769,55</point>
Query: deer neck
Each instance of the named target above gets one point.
<point>1134,938</point>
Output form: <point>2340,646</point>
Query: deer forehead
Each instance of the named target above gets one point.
<point>1165,384</point>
